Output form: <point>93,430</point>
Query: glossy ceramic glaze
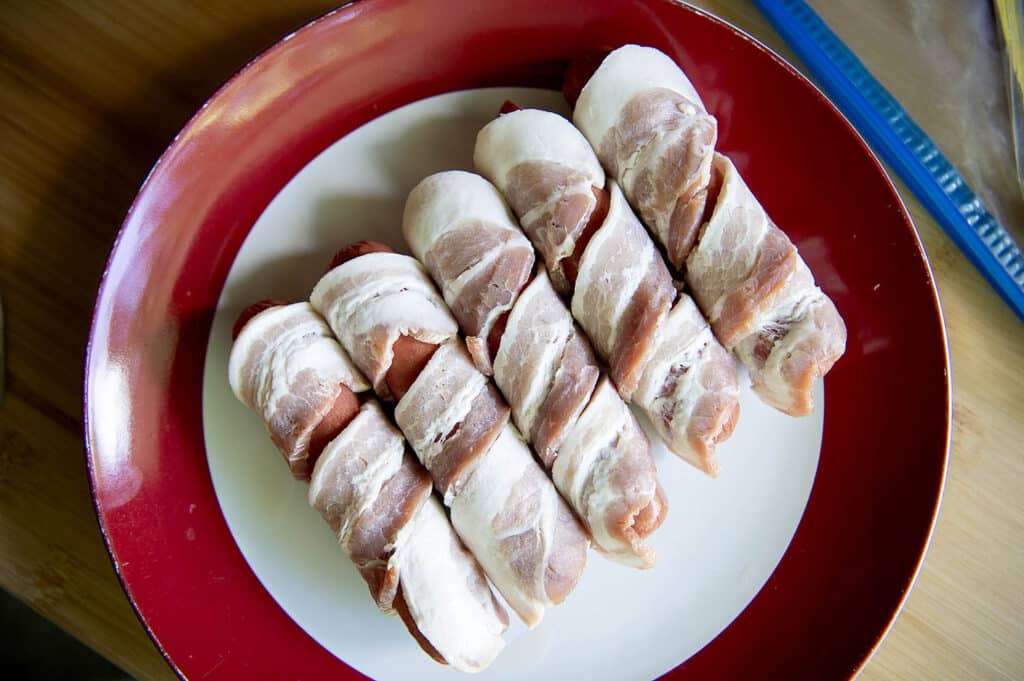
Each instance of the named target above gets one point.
<point>882,463</point>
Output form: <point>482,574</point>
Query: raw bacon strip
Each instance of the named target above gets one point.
<point>451,416</point>
<point>761,297</point>
<point>549,185</point>
<point>502,505</point>
<point>509,511</point>
<point>621,290</point>
<point>369,304</point>
<point>653,134</point>
<point>470,239</point>
<point>689,387</point>
<point>605,470</point>
<point>375,497</point>
<point>641,331</point>
<point>444,591</point>
<point>543,366</point>
<point>286,365</point>
<point>623,294</point>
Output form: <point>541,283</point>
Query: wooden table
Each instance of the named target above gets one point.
<point>90,94</point>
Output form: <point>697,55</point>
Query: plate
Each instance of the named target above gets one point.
<point>794,562</point>
<point>720,543</point>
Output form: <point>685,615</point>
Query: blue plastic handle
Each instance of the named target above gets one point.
<point>889,129</point>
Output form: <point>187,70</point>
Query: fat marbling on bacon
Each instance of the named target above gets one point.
<point>542,363</point>
<point>761,298</point>
<point>652,132</point>
<point>502,504</point>
<point>377,500</point>
<point>621,291</point>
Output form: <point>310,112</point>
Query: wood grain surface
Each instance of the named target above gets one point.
<point>90,94</point>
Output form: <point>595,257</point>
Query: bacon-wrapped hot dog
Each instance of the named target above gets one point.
<point>295,375</point>
<point>377,499</point>
<point>661,354</point>
<point>386,312</point>
<point>761,297</point>
<point>600,460</point>
<point>653,134</point>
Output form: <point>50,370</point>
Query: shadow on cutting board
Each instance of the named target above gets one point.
<point>31,647</point>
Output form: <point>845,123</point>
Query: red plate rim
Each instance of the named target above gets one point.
<point>191,321</point>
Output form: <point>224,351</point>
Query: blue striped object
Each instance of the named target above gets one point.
<point>892,133</point>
